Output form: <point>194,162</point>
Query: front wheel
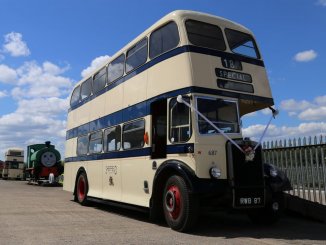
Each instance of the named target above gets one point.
<point>82,189</point>
<point>180,208</point>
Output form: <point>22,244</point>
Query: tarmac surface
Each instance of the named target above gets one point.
<point>48,215</point>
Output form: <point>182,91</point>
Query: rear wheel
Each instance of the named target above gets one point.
<point>180,208</point>
<point>82,189</point>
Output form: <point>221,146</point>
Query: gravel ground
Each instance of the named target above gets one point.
<point>48,215</point>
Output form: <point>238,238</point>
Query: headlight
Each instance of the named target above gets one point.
<point>215,172</point>
<point>273,172</point>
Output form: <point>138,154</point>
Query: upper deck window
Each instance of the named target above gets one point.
<point>205,35</point>
<point>75,96</point>
<point>137,55</point>
<point>163,39</point>
<point>242,43</point>
<point>223,113</point>
<point>99,80</point>
<point>115,69</point>
<point>86,89</point>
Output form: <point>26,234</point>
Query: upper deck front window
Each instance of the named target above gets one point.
<point>223,113</point>
<point>205,35</point>
<point>242,43</point>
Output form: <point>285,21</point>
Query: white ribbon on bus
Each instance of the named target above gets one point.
<point>274,113</point>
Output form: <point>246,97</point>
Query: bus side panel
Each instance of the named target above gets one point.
<point>94,177</point>
<point>134,89</point>
<point>97,107</point>
<point>135,171</point>
<point>70,173</point>
<point>69,178</point>
<point>111,176</point>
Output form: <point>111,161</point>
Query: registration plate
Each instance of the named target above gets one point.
<point>249,198</point>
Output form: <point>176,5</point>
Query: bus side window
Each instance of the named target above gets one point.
<point>136,56</point>
<point>95,142</point>
<point>99,80</point>
<point>180,121</point>
<point>163,39</point>
<point>86,89</point>
<point>112,139</point>
<point>133,134</point>
<point>115,68</point>
<point>82,145</point>
<point>75,97</point>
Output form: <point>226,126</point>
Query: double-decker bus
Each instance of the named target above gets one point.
<point>13,167</point>
<point>158,126</point>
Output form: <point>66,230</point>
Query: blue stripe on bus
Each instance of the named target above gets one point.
<point>142,109</point>
<point>170,149</point>
<point>170,54</point>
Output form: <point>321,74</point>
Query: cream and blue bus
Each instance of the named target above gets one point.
<point>14,166</point>
<point>159,125</point>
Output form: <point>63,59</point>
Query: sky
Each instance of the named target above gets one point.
<point>48,46</point>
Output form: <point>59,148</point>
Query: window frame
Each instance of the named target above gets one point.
<point>89,142</point>
<point>105,148</point>
<point>214,98</point>
<point>150,36</point>
<point>81,87</point>
<point>253,41</point>
<point>218,27</point>
<point>134,46</point>
<point>122,134</point>
<point>77,102</point>
<point>170,121</point>
<point>123,67</point>
<point>82,136</point>
<point>106,79</point>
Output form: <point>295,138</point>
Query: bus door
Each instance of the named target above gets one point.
<point>159,128</point>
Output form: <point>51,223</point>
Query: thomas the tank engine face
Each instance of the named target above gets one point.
<point>48,159</point>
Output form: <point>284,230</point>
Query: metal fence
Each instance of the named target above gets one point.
<point>304,162</point>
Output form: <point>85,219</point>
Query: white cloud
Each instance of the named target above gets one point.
<point>321,2</point>
<point>43,81</point>
<point>305,56</point>
<point>7,74</point>
<point>305,110</point>
<point>313,114</point>
<point>3,94</point>
<point>294,105</point>
<point>320,100</point>
<point>41,94</point>
<point>284,132</point>
<point>95,64</point>
<point>14,45</point>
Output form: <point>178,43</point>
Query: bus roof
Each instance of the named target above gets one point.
<point>177,16</point>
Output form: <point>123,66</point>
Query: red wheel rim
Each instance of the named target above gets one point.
<point>173,201</point>
<point>81,188</point>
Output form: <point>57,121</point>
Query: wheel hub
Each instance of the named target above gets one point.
<point>173,202</point>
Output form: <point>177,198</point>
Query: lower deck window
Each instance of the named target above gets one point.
<point>82,145</point>
<point>223,113</point>
<point>133,134</point>
<point>112,139</point>
<point>95,142</point>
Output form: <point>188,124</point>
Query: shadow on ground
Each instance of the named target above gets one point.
<point>290,226</point>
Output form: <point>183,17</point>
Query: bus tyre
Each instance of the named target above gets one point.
<point>180,208</point>
<point>82,189</point>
